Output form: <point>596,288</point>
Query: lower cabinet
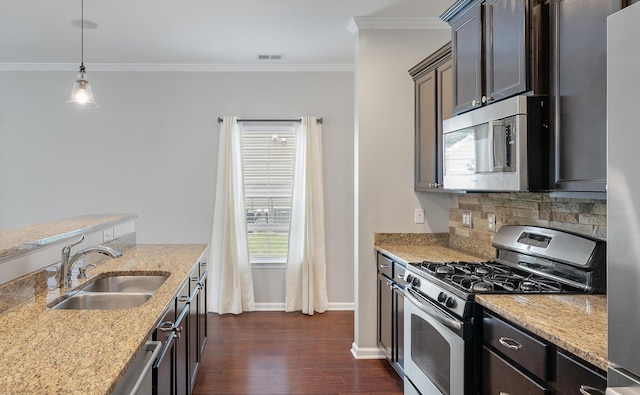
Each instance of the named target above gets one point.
<point>578,377</point>
<point>183,332</point>
<point>390,332</point>
<point>515,361</point>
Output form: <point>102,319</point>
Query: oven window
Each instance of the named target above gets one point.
<point>431,353</point>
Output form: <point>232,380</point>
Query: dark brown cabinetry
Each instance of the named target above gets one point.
<point>579,73</point>
<point>577,377</point>
<point>183,332</point>
<point>499,50</point>
<point>433,82</point>
<point>390,322</point>
<point>515,361</point>
<point>468,69</point>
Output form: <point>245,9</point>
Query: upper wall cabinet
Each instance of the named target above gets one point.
<point>579,87</point>
<point>433,103</point>
<point>499,50</point>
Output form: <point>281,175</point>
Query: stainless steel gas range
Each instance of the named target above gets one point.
<point>441,320</point>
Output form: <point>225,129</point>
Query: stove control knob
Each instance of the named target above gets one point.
<point>408,278</point>
<point>442,297</point>
<point>415,281</point>
<point>450,303</point>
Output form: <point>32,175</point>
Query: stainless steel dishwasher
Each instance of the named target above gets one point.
<point>139,378</point>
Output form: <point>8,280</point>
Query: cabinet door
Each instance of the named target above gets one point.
<point>426,127</point>
<point>385,318</point>
<point>444,76</point>
<point>398,346</point>
<point>193,326</point>
<point>164,380</point>
<point>579,60</point>
<point>505,49</point>
<point>202,314</point>
<point>468,60</point>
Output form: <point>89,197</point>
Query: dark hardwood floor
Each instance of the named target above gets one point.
<point>288,353</point>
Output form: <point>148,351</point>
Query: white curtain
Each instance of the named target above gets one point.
<point>230,286</point>
<point>306,287</point>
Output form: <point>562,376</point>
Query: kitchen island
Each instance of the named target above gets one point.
<point>47,351</point>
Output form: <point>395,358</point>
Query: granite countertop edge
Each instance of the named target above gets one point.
<point>19,241</point>
<point>88,351</point>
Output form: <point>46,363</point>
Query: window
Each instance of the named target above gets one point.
<point>268,159</point>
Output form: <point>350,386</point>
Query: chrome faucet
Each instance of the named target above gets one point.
<point>68,260</point>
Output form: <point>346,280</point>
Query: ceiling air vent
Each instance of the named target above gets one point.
<point>270,57</point>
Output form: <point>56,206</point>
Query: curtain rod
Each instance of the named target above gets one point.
<point>319,120</point>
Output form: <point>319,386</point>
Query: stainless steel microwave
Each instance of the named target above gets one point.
<point>501,147</point>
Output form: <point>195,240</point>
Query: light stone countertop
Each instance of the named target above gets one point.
<point>25,239</point>
<point>46,351</point>
<point>576,323</point>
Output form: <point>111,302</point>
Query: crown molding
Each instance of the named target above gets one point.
<point>180,67</point>
<point>398,23</point>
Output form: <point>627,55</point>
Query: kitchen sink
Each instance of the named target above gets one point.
<point>102,300</point>
<point>126,283</point>
<point>113,292</point>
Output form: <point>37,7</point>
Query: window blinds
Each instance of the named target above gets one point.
<point>268,156</point>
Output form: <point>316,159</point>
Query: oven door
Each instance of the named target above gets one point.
<point>436,351</point>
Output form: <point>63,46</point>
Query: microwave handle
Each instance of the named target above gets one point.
<point>507,145</point>
<point>497,141</point>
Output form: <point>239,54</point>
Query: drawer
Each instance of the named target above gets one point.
<point>399,273</point>
<point>499,377</point>
<point>577,377</point>
<point>385,266</point>
<point>522,348</point>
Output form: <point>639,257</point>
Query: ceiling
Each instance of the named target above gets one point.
<point>197,32</point>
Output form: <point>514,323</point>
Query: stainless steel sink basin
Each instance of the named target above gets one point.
<point>126,284</point>
<point>102,301</point>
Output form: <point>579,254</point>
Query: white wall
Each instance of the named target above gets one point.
<point>151,149</point>
<point>384,141</point>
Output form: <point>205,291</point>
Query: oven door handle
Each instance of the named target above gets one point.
<point>427,309</point>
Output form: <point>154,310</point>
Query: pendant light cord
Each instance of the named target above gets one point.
<point>82,36</point>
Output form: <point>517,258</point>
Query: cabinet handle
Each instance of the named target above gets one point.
<point>588,390</point>
<point>183,299</point>
<point>510,343</point>
<point>504,393</point>
<point>384,266</point>
<point>487,99</point>
<point>194,278</point>
<point>166,326</point>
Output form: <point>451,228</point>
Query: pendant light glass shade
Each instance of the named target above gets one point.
<point>81,93</point>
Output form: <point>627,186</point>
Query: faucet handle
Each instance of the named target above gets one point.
<point>68,248</point>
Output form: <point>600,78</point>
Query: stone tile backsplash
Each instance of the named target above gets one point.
<point>584,216</point>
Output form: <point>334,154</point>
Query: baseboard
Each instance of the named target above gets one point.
<point>366,353</point>
<point>280,306</point>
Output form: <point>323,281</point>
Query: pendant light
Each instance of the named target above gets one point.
<point>81,93</point>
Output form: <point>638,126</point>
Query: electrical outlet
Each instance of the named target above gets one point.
<point>491,222</point>
<point>107,235</point>
<point>419,216</point>
<point>467,219</point>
